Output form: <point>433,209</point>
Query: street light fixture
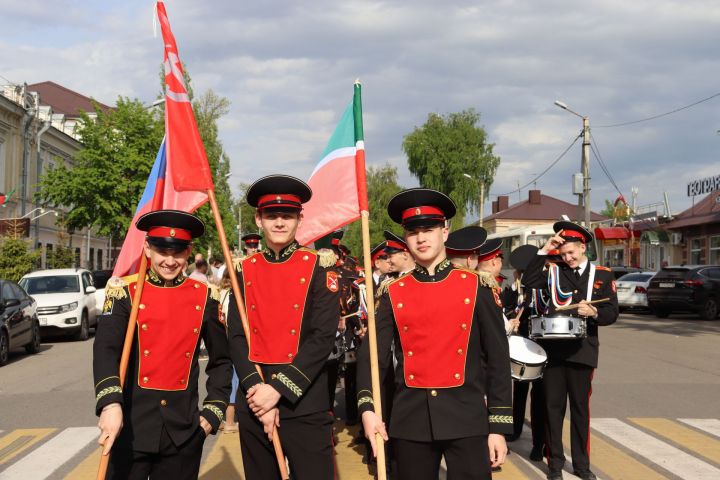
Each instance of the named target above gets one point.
<point>481,182</point>
<point>584,200</point>
<point>43,214</point>
<point>32,211</point>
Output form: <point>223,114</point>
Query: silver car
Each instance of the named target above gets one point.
<point>632,289</point>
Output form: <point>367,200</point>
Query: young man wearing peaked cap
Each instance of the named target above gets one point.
<point>291,298</point>
<point>152,425</point>
<point>451,353</point>
<point>571,363</point>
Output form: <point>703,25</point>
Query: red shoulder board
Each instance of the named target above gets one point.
<point>275,297</point>
<point>604,269</point>
<point>169,322</point>
<point>434,322</point>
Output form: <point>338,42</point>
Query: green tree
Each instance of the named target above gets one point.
<point>107,178</point>
<point>16,259</point>
<point>445,148</point>
<point>382,186</point>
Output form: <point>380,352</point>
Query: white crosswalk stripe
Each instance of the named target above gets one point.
<point>668,457</point>
<point>709,425</point>
<point>52,455</point>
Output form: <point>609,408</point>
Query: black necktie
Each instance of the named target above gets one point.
<point>577,273</point>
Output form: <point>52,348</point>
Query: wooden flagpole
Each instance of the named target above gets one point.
<point>243,317</point>
<point>127,346</point>
<point>370,297</point>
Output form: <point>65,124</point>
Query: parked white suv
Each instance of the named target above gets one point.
<point>65,300</point>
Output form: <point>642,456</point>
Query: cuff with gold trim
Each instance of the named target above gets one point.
<point>250,380</point>
<point>214,413</point>
<point>107,391</point>
<point>291,383</point>
<point>500,420</point>
<point>365,402</point>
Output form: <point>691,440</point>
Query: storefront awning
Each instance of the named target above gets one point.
<point>654,237</point>
<point>611,233</point>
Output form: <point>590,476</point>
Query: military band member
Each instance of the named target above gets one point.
<point>453,389</point>
<point>401,261</point>
<point>571,363</point>
<point>462,246</point>
<point>291,297</point>
<point>153,426</point>
<point>490,262</point>
<point>252,243</point>
<point>380,262</point>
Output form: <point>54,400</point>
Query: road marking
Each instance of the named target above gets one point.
<point>611,461</point>
<point>20,440</point>
<point>687,438</point>
<point>52,454</point>
<point>88,468</point>
<point>668,457</point>
<point>709,425</point>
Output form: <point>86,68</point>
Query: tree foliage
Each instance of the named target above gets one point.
<point>382,186</point>
<point>444,149</point>
<point>16,259</point>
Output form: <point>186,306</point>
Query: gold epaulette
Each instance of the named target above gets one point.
<point>326,257</point>
<point>115,287</point>
<point>237,263</point>
<point>214,292</point>
<point>487,280</point>
<point>383,287</point>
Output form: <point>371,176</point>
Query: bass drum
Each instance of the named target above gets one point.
<point>527,359</point>
<point>558,327</point>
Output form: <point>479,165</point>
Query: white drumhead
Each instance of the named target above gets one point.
<point>526,351</point>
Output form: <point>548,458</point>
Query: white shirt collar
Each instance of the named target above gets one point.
<point>582,267</point>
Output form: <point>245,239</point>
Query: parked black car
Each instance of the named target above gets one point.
<point>19,325</point>
<point>101,277</point>
<point>620,271</point>
<point>694,288</point>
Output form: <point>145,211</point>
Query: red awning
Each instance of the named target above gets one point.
<point>611,233</point>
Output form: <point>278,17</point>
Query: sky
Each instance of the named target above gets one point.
<point>288,68</point>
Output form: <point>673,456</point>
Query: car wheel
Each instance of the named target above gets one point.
<point>34,345</point>
<point>84,332</point>
<point>4,348</point>
<point>710,309</point>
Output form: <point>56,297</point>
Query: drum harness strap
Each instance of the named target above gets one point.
<point>560,298</point>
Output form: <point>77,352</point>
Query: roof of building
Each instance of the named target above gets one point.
<point>705,211</point>
<point>549,208</point>
<point>63,100</point>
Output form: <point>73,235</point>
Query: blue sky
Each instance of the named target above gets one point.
<point>288,67</point>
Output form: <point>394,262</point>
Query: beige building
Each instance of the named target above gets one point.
<point>38,131</point>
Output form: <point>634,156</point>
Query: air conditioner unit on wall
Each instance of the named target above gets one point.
<point>676,238</point>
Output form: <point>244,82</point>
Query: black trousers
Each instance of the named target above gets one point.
<point>351,410</point>
<point>563,381</point>
<point>537,410</point>
<point>332,367</point>
<point>171,461</point>
<point>306,442</point>
<point>466,458</point>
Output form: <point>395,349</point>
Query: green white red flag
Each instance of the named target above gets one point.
<point>338,181</point>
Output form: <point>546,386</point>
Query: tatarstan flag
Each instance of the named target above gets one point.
<point>338,180</point>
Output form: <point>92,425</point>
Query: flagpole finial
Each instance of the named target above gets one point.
<point>357,81</point>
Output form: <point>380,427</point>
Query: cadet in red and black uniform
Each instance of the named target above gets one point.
<point>153,424</point>
<point>291,297</point>
<point>252,243</point>
<point>453,389</point>
<point>571,363</point>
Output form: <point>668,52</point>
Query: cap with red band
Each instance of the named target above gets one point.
<point>492,248</point>
<point>421,207</point>
<point>170,228</point>
<point>281,192</point>
<point>165,232</point>
<point>423,210</point>
<point>279,200</point>
<point>572,232</point>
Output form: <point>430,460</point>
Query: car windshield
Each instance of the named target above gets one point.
<point>58,284</point>
<point>672,273</point>
<point>636,277</point>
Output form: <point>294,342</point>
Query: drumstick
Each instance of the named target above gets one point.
<point>577,305</point>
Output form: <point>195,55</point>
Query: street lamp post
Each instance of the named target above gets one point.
<point>584,201</point>
<point>481,183</point>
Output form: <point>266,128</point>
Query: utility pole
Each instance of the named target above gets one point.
<point>482,200</point>
<point>586,169</point>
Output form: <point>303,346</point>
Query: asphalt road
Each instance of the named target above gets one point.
<point>649,368</point>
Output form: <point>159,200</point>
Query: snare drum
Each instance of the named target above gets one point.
<point>527,359</point>
<point>558,327</point>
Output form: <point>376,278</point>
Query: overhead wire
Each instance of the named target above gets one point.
<point>659,115</point>
<point>596,152</point>
<point>546,170</point>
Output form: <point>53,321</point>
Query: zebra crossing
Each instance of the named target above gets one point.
<point>621,448</point>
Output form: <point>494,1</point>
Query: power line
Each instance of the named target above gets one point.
<point>546,170</point>
<point>660,115</point>
<point>596,151</point>
<point>8,80</point>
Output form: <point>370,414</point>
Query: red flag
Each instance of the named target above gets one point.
<point>187,162</point>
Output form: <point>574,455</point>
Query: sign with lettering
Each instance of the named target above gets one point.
<point>701,187</point>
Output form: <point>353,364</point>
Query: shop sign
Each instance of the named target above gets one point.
<point>703,186</point>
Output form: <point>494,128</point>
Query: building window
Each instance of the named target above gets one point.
<point>715,250</point>
<point>48,255</point>
<point>77,257</point>
<point>100,264</point>
<point>91,259</point>
<point>695,251</point>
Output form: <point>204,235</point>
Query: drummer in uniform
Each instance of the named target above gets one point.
<point>572,362</point>
<point>152,424</point>
<point>291,298</point>
<point>252,243</point>
<point>451,353</point>
<point>523,301</point>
